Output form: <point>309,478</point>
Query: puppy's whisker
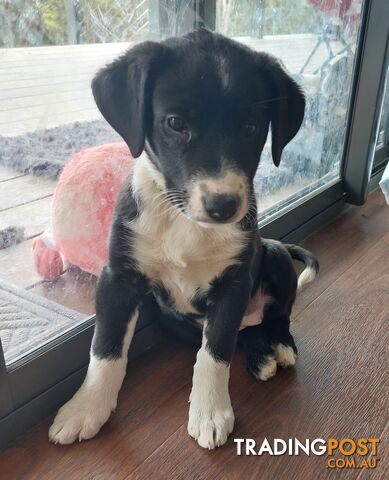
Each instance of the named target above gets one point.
<point>168,205</point>
<point>265,102</point>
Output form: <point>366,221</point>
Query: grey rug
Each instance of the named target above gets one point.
<point>46,152</point>
<point>28,321</point>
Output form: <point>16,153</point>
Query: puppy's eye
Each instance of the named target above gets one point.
<point>178,124</point>
<point>249,129</point>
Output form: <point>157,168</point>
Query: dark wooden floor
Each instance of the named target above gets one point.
<point>338,389</point>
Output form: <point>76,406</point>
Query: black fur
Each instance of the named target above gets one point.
<point>303,255</point>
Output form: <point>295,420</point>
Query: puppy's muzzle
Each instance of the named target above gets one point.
<point>218,199</point>
<point>221,207</point>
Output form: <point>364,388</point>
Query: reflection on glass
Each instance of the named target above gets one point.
<point>50,52</point>
<point>383,123</point>
<point>316,41</point>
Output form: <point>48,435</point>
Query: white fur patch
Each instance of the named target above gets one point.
<point>211,418</point>
<point>268,369</point>
<point>86,412</point>
<point>172,249</point>
<point>285,355</point>
<point>306,276</point>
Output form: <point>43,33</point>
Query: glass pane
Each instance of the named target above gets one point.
<point>48,121</point>
<point>50,51</point>
<point>316,40</point>
<point>383,123</point>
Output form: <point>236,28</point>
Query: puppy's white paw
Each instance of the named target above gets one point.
<point>267,369</point>
<point>285,355</point>
<point>80,418</point>
<point>210,424</point>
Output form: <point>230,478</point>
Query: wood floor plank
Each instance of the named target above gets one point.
<point>339,246</point>
<point>32,88</point>
<point>34,217</point>
<point>382,471</point>
<point>46,108</point>
<point>7,173</point>
<point>24,189</point>
<point>53,99</point>
<point>19,127</point>
<point>17,266</point>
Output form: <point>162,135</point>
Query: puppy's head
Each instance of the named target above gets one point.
<point>201,106</point>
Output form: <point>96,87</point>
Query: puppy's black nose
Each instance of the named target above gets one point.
<point>221,207</point>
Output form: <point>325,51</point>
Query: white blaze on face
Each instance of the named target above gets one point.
<point>230,182</point>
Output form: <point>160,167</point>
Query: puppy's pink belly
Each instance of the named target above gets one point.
<point>254,312</point>
<point>252,319</point>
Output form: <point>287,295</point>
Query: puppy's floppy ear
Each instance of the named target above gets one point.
<point>121,92</point>
<point>287,109</point>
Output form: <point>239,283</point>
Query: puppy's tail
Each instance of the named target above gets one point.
<point>311,264</point>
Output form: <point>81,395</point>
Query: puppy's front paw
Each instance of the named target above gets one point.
<point>80,418</point>
<point>210,423</point>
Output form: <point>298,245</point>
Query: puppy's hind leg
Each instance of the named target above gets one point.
<point>276,324</point>
<point>117,301</point>
<point>268,345</point>
<point>260,355</point>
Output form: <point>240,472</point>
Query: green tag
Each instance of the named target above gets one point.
<point>158,187</point>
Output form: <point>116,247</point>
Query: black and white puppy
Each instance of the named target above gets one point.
<point>196,110</point>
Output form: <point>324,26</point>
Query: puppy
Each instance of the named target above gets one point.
<point>196,110</point>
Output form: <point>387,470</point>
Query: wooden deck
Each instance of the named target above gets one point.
<point>337,388</point>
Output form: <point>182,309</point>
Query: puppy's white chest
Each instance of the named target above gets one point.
<point>183,257</point>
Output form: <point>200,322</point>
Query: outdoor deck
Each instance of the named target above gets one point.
<point>45,87</point>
